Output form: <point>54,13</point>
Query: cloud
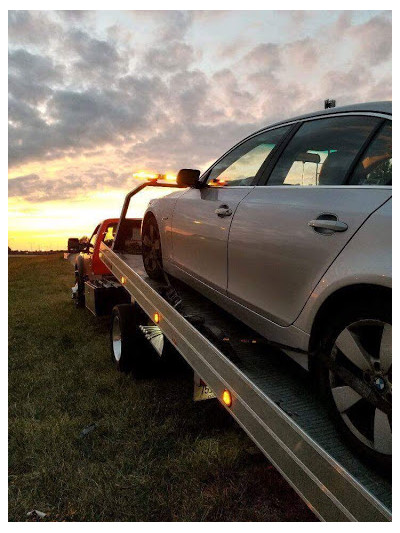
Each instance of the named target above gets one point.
<point>20,186</point>
<point>31,28</point>
<point>265,56</point>
<point>374,40</point>
<point>172,57</point>
<point>76,92</point>
<point>75,15</point>
<point>94,59</point>
<point>36,189</point>
<point>171,24</point>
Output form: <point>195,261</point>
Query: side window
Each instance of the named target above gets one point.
<point>109,234</point>
<point>93,237</point>
<point>322,151</point>
<point>240,166</point>
<point>375,166</point>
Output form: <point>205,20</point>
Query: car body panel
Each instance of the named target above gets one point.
<point>290,336</point>
<point>163,208</point>
<point>200,236</point>
<point>355,265</point>
<point>275,259</point>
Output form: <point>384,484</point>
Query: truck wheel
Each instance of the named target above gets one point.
<point>130,351</point>
<point>80,282</point>
<point>356,379</point>
<point>151,249</point>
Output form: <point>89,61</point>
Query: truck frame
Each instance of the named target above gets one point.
<point>273,404</point>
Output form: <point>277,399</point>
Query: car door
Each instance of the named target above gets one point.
<point>202,217</point>
<point>291,227</point>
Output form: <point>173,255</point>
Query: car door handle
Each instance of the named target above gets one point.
<point>327,227</point>
<point>223,211</point>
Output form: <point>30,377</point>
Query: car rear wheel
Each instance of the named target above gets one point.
<point>151,249</point>
<point>355,375</point>
<point>137,344</point>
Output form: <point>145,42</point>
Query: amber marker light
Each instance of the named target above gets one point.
<point>156,318</point>
<point>227,398</point>
<point>145,175</point>
<point>123,280</point>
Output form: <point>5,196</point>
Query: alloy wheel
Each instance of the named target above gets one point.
<point>116,339</point>
<point>364,350</point>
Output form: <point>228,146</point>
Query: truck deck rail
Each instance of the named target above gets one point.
<point>271,400</point>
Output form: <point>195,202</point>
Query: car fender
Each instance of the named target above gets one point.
<point>366,259</point>
<point>162,209</point>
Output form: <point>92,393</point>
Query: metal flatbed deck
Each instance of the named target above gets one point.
<point>272,401</point>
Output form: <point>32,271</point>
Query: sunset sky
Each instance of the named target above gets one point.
<point>96,96</point>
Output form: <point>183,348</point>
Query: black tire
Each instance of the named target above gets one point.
<point>80,281</point>
<point>151,249</point>
<point>130,350</point>
<point>352,351</point>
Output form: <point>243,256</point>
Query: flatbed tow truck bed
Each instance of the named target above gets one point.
<point>272,400</point>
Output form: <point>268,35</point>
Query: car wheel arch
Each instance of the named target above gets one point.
<point>335,301</point>
<point>148,216</point>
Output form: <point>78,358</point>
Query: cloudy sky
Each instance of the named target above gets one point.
<point>97,96</point>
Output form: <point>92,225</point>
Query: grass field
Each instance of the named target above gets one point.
<point>153,454</point>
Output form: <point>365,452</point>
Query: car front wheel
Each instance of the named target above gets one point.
<point>356,380</point>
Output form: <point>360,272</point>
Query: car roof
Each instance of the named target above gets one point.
<point>371,107</point>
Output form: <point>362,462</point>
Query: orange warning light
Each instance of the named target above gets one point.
<point>227,398</point>
<point>156,318</point>
<point>123,280</point>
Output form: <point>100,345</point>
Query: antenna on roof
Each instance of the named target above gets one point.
<point>329,103</point>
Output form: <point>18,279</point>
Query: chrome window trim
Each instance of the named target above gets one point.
<point>292,123</point>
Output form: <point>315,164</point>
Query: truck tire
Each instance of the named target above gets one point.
<point>358,342</point>
<point>130,351</point>
<point>151,249</point>
<point>80,281</point>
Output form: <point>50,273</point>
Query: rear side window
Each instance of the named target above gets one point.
<point>375,166</point>
<point>240,166</point>
<point>322,151</point>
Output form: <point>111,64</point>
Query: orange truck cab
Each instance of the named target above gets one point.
<point>93,280</point>
<point>104,232</point>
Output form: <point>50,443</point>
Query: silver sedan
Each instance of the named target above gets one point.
<point>290,231</point>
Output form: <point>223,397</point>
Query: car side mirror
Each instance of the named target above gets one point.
<point>188,177</point>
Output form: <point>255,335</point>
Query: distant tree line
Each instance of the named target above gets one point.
<point>34,252</point>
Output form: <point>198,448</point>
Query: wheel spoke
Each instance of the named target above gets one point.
<point>151,231</point>
<point>385,351</point>
<point>382,432</point>
<point>147,241</point>
<point>345,397</point>
<point>350,347</point>
<point>156,244</point>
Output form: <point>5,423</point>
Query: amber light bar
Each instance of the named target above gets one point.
<point>151,176</point>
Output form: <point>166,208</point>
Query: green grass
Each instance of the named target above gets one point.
<point>154,455</point>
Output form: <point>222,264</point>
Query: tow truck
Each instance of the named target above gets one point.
<point>272,403</point>
<point>95,285</point>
